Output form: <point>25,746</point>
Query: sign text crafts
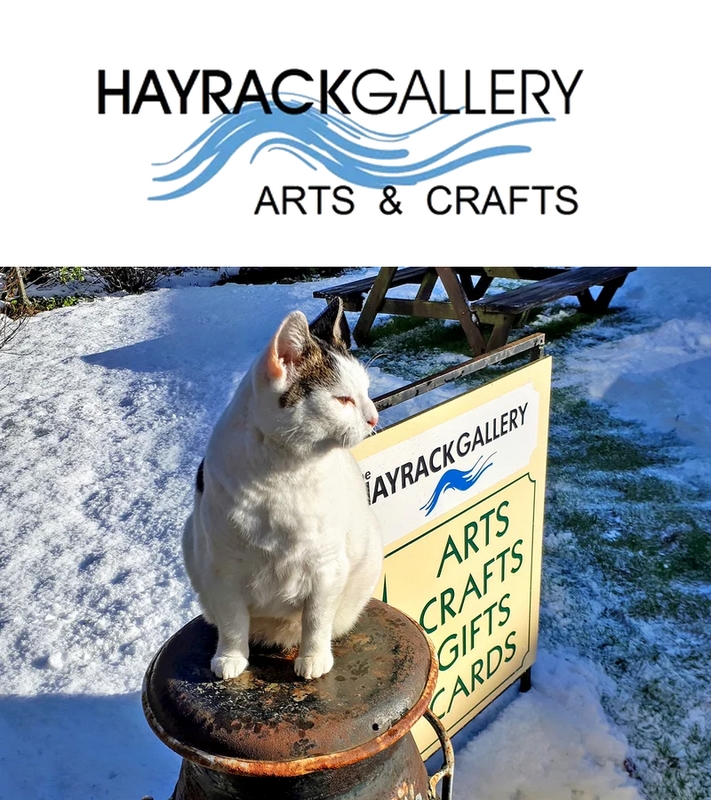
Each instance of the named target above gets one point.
<point>478,566</point>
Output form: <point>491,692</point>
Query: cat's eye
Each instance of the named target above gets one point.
<point>345,400</point>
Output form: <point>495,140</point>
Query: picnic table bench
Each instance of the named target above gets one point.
<point>468,302</point>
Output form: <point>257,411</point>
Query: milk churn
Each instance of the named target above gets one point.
<point>269,735</point>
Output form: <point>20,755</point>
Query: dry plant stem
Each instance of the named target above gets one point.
<point>21,287</point>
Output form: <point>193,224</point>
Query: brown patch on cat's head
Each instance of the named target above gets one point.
<point>316,368</point>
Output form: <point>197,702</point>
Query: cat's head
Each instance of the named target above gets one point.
<point>312,394</point>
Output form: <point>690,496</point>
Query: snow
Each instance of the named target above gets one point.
<point>103,422</point>
<point>553,743</point>
<point>660,375</point>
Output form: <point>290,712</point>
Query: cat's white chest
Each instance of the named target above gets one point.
<point>287,538</point>
<point>288,514</point>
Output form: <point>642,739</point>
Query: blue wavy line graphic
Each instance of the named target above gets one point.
<point>350,151</point>
<point>459,480</point>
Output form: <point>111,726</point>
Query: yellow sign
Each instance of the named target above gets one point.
<point>459,492</point>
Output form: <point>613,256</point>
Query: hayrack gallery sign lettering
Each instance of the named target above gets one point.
<point>432,473</point>
<point>452,452</point>
<point>498,91</point>
<point>323,118</point>
<point>463,533</point>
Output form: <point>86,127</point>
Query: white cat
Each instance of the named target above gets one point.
<point>282,546</point>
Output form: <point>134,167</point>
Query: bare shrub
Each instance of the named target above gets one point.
<point>129,279</point>
<point>14,302</point>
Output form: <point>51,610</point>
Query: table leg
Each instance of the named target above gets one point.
<point>607,293</point>
<point>373,303</point>
<point>458,299</point>
<point>428,283</point>
<point>501,331</point>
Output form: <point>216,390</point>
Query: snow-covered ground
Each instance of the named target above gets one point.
<point>662,374</point>
<point>104,414</point>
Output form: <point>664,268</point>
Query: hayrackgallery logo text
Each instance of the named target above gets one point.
<point>500,91</point>
<point>313,117</point>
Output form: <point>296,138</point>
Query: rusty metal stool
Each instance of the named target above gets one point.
<point>269,735</point>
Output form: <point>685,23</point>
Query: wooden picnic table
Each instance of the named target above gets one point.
<point>467,300</point>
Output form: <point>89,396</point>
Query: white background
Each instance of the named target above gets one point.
<point>75,184</point>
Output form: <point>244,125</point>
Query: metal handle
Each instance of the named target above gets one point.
<point>446,773</point>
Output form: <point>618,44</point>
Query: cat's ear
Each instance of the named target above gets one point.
<point>331,326</point>
<point>287,346</point>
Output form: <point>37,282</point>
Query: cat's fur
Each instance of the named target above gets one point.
<point>282,546</point>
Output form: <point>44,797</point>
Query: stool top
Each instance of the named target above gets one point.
<point>268,721</point>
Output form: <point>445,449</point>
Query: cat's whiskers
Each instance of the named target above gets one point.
<point>377,355</point>
<point>288,433</point>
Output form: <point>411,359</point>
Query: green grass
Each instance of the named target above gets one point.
<point>50,303</point>
<point>634,566</point>
<point>414,336</point>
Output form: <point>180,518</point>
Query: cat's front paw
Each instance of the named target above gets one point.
<point>228,666</point>
<point>313,666</point>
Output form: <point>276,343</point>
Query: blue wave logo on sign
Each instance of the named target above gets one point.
<point>350,151</point>
<point>459,480</point>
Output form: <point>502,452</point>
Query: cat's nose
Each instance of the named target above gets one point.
<point>373,421</point>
